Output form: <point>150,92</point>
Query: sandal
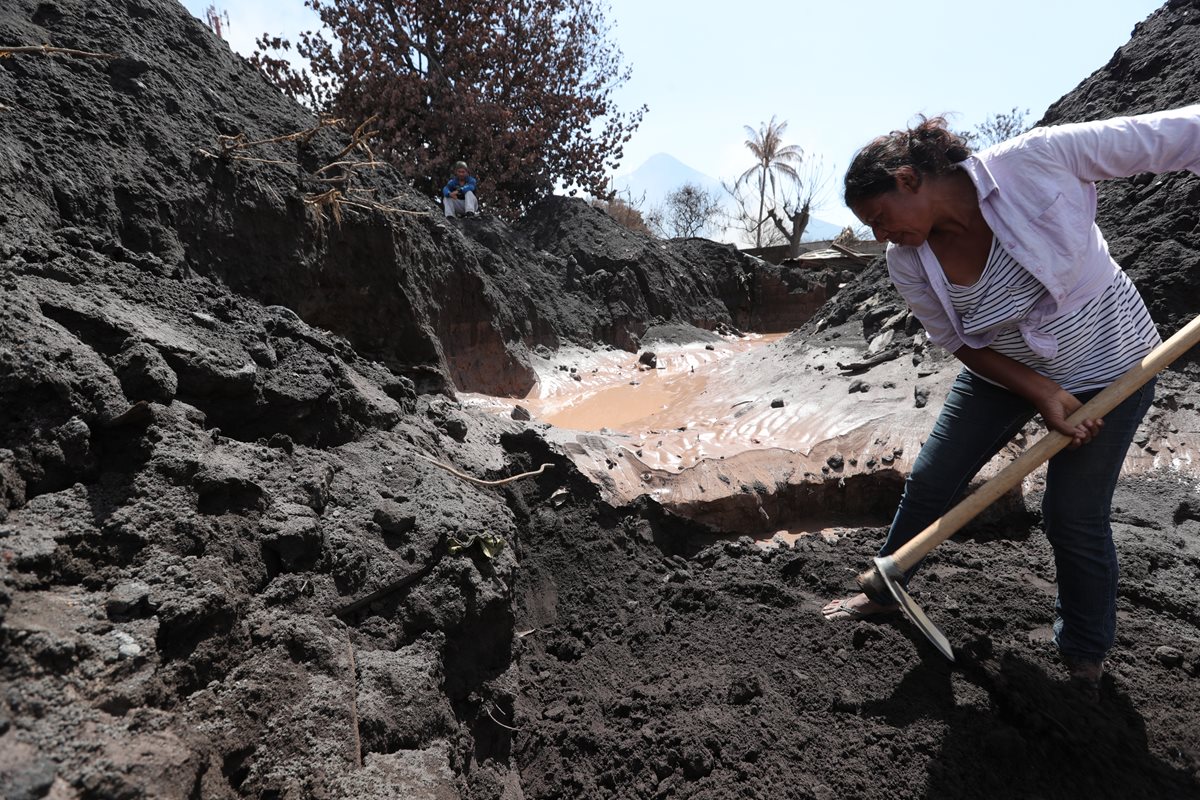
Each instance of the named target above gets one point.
<point>842,609</point>
<point>1085,674</point>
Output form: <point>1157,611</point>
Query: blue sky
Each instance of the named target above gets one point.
<point>839,71</point>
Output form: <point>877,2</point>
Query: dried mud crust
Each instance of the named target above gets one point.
<point>715,676</point>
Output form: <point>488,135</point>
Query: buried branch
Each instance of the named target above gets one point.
<point>334,198</point>
<point>478,481</point>
<point>47,50</point>
<point>238,141</point>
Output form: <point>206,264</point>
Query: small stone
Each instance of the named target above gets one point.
<point>127,646</point>
<point>576,376</point>
<point>920,396</point>
<point>145,375</point>
<point>393,519</point>
<point>282,442</point>
<point>648,358</point>
<point>710,347</point>
<point>127,599</point>
<point>777,402</point>
<point>521,413</point>
<point>859,385</point>
<point>456,429</point>
<point>1169,657</point>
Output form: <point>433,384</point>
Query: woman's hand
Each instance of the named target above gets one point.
<point>1056,406</point>
<point>1052,401</point>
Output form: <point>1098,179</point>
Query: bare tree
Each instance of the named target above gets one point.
<point>688,211</point>
<point>812,189</point>
<point>774,161</point>
<point>998,128</point>
<point>744,218</point>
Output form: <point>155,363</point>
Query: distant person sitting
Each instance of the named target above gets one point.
<point>458,196</point>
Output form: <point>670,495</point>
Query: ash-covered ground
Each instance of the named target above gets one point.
<point>231,567</point>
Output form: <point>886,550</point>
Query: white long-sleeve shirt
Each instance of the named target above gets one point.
<point>1036,193</point>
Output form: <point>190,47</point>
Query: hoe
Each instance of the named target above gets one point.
<point>889,570</point>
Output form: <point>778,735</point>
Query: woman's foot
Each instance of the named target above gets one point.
<point>857,607</point>
<point>1085,674</point>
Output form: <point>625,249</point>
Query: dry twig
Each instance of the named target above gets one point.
<point>47,50</point>
<point>239,142</point>
<point>360,138</point>
<point>351,165</point>
<point>439,551</point>
<point>479,482</point>
<point>498,722</point>
<point>331,199</point>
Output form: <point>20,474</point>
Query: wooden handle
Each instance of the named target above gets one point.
<point>948,524</point>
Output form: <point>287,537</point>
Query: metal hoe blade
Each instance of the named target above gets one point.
<point>892,578</point>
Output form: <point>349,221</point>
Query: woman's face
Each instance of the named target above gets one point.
<point>898,216</point>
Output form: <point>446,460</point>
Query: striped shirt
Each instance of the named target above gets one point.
<point>1097,343</point>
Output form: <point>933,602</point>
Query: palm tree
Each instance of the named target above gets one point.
<point>774,159</point>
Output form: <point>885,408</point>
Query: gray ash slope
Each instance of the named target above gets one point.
<point>216,407</point>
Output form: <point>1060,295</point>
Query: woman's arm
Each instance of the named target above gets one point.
<point>1123,146</point>
<point>1053,402</point>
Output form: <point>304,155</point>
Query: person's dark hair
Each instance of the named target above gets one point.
<point>930,148</point>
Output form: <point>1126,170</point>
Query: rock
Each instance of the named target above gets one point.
<point>521,413</point>
<point>296,543</point>
<point>777,402</point>
<point>31,780</point>
<point>221,491</point>
<point>835,461</point>
<point>859,385</point>
<point>391,517</point>
<point>127,646</point>
<point>145,375</point>
<point>12,486</point>
<point>455,428</point>
<point>649,359</point>
<point>283,442</point>
<point>127,600</point>
<point>1170,657</point>
<point>920,396</point>
<point>744,689</point>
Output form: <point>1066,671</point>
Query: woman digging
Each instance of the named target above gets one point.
<point>999,256</point>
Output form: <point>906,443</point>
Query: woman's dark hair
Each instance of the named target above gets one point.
<point>930,148</point>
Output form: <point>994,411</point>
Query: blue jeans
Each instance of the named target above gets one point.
<point>978,419</point>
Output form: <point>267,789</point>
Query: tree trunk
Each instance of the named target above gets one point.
<point>799,225</point>
<point>762,196</point>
